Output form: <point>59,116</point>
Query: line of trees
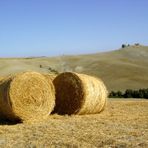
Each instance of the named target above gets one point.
<point>129,93</point>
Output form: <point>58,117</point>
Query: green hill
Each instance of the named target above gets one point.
<point>120,69</point>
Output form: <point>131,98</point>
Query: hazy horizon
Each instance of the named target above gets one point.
<point>53,28</point>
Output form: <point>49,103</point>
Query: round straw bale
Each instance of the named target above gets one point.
<point>79,94</point>
<point>27,96</point>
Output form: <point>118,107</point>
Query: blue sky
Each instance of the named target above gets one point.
<point>55,27</point>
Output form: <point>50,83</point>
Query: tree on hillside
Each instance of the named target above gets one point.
<point>119,93</point>
<point>123,45</point>
<point>128,93</point>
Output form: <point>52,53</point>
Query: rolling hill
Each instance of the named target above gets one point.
<point>121,69</point>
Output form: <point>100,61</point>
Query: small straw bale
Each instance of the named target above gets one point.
<point>79,94</point>
<point>27,96</point>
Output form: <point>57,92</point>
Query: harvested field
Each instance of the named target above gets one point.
<point>122,124</point>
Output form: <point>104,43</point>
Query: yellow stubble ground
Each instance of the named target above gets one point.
<point>124,123</point>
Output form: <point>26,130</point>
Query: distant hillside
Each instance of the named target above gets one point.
<point>120,69</point>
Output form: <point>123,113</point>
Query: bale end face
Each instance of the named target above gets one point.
<point>69,94</point>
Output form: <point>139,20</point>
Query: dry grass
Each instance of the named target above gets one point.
<point>123,124</point>
<point>79,94</point>
<point>27,96</point>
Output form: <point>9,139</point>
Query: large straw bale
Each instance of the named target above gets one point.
<point>79,94</point>
<point>27,96</point>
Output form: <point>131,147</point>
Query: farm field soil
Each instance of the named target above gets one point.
<point>124,123</point>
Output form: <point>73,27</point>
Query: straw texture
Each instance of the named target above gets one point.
<point>27,96</point>
<point>79,94</point>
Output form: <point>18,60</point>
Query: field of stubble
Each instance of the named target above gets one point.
<point>124,123</point>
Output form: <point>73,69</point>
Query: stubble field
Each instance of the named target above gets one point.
<point>124,123</point>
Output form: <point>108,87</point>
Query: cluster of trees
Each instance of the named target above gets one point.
<point>124,45</point>
<point>129,93</point>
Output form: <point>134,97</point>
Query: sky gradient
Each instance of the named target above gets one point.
<point>56,27</point>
